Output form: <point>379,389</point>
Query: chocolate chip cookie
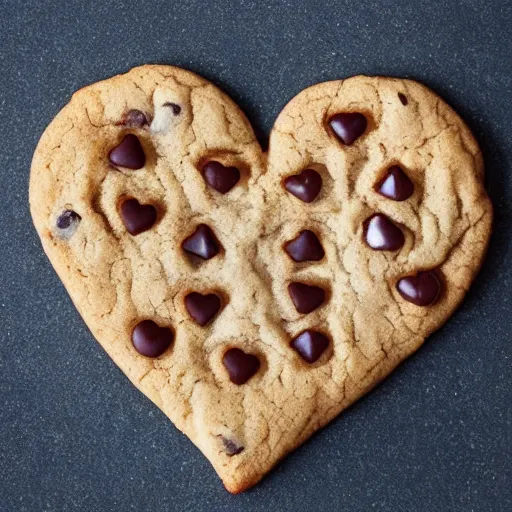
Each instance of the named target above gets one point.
<point>252,296</point>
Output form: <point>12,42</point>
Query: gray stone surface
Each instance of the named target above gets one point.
<point>76,436</point>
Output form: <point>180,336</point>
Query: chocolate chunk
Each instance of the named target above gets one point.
<point>202,243</point>
<point>231,447</point>
<point>176,109</point>
<point>403,98</point>
<point>128,153</point>
<point>305,297</point>
<point>382,234</point>
<point>310,345</point>
<point>423,289</point>
<point>221,178</point>
<point>305,247</point>
<point>396,185</point>
<point>137,217</point>
<point>348,127</point>
<point>135,119</point>
<point>67,219</point>
<point>305,185</point>
<point>67,223</point>
<point>202,308</point>
<point>151,340</point>
<point>240,366</point>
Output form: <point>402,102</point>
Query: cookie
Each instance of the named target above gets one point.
<point>252,296</point>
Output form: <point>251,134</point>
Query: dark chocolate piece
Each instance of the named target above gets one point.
<point>66,224</point>
<point>403,98</point>
<point>151,340</point>
<point>305,247</point>
<point>382,234</point>
<point>135,119</point>
<point>68,219</point>
<point>396,185</point>
<point>231,447</point>
<point>128,153</point>
<point>240,366</point>
<point>202,308</point>
<point>219,177</point>
<point>202,243</point>
<point>305,186</point>
<point>348,127</point>
<point>137,217</point>
<point>305,297</point>
<point>422,289</point>
<point>176,109</point>
<point>310,345</point>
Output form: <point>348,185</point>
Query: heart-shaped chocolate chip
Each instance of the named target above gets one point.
<point>396,185</point>
<point>151,340</point>
<point>422,289</point>
<point>382,234</point>
<point>240,366</point>
<point>348,127</point>
<point>202,308</point>
<point>137,217</point>
<point>128,153</point>
<point>306,297</point>
<point>202,242</point>
<point>261,377</point>
<point>310,345</point>
<point>221,178</point>
<point>305,247</point>
<point>306,185</point>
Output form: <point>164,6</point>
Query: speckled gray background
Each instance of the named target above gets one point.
<point>76,436</point>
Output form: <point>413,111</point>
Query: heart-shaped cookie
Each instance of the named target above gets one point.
<point>324,263</point>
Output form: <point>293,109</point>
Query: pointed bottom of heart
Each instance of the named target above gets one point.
<point>241,464</point>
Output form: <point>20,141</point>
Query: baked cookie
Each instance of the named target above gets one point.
<point>254,296</point>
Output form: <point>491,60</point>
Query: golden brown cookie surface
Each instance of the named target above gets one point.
<point>254,296</point>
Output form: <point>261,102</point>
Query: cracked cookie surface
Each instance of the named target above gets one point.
<point>254,296</point>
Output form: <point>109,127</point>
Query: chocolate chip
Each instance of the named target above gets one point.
<point>68,219</point>
<point>135,119</point>
<point>128,153</point>
<point>422,289</point>
<point>221,178</point>
<point>151,340</point>
<point>176,109</point>
<point>403,98</point>
<point>396,185</point>
<point>137,217</point>
<point>348,127</point>
<point>66,224</point>
<point>305,185</point>
<point>305,247</point>
<point>202,308</point>
<point>240,366</point>
<point>231,447</point>
<point>305,297</point>
<point>310,345</point>
<point>202,243</point>
<point>382,234</point>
